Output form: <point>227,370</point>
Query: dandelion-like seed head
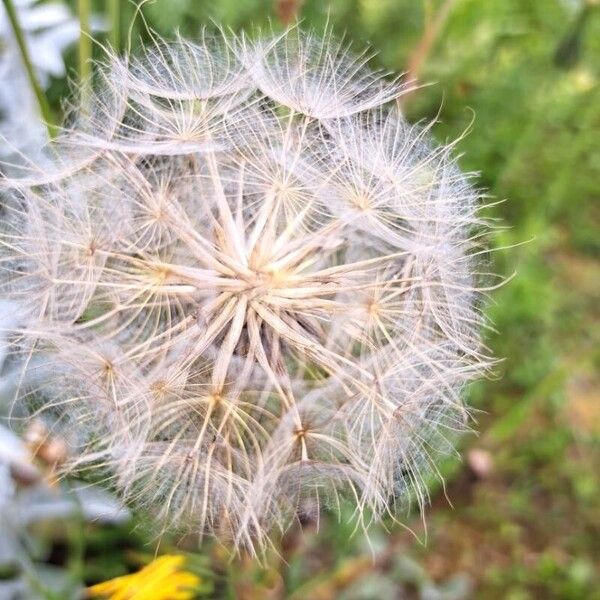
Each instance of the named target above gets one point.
<point>245,283</point>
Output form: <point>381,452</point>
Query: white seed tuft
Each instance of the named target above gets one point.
<point>246,282</point>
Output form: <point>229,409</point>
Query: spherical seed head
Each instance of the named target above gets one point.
<point>245,282</point>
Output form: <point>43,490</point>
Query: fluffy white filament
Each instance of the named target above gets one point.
<point>246,282</point>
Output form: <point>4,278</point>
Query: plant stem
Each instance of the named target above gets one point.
<point>85,49</point>
<point>40,95</point>
<point>114,19</point>
<point>434,24</point>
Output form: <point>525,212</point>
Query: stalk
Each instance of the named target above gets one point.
<point>114,19</point>
<point>39,93</point>
<point>85,49</point>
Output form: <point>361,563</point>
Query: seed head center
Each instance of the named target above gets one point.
<point>266,281</point>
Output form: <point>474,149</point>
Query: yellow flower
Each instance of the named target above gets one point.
<point>162,579</point>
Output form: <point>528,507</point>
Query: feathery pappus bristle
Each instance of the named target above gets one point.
<point>245,282</point>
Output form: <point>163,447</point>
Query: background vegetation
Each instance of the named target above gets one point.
<point>519,516</point>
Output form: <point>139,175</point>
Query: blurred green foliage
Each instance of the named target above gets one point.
<point>521,77</point>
